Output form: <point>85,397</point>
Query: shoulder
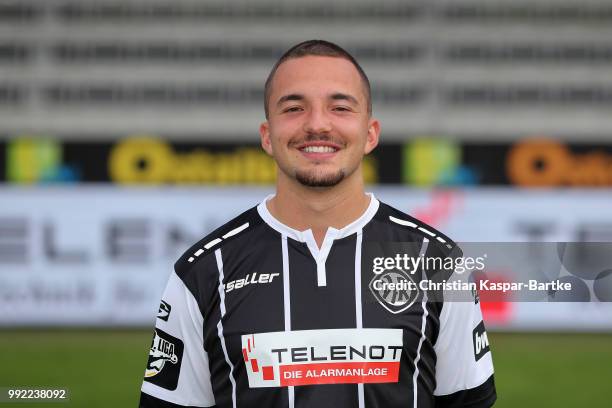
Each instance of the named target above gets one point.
<point>407,227</point>
<point>234,229</point>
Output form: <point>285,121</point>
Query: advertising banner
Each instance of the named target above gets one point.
<point>420,161</point>
<point>93,255</point>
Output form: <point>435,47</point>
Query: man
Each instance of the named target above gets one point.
<point>282,307</point>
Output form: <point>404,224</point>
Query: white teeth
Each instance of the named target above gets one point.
<point>319,149</point>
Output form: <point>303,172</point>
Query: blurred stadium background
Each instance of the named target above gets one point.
<point>129,128</point>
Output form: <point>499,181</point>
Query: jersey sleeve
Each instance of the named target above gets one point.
<point>177,372</point>
<point>464,367</point>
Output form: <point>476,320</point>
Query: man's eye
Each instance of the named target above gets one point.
<point>293,109</point>
<point>342,109</point>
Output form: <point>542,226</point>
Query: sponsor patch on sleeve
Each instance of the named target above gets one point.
<point>164,311</point>
<point>164,364</point>
<point>481,342</point>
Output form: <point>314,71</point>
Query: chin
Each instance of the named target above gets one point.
<point>317,179</point>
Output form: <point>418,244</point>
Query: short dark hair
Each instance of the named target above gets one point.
<point>320,48</point>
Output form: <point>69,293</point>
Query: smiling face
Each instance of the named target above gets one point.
<point>319,127</point>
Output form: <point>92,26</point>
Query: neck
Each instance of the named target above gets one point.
<point>303,208</point>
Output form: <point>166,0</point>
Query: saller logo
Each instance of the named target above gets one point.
<point>164,364</point>
<point>250,279</point>
<point>164,311</point>
<point>395,290</point>
<point>335,356</point>
<point>481,341</point>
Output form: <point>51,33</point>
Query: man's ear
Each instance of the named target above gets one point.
<point>264,133</point>
<point>373,135</point>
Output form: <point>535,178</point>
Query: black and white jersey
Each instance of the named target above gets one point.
<point>257,315</point>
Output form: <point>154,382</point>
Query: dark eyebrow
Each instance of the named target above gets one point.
<point>341,96</point>
<point>338,96</point>
<point>290,97</point>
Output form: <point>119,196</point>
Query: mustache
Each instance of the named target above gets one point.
<point>312,137</point>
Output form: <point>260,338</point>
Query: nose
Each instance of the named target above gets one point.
<point>317,122</point>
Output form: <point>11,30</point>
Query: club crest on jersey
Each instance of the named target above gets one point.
<point>394,289</point>
<point>164,362</point>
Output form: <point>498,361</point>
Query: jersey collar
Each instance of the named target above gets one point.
<point>306,235</point>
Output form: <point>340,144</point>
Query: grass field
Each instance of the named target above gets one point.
<point>104,368</point>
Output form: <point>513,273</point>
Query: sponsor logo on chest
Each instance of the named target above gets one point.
<point>334,356</point>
